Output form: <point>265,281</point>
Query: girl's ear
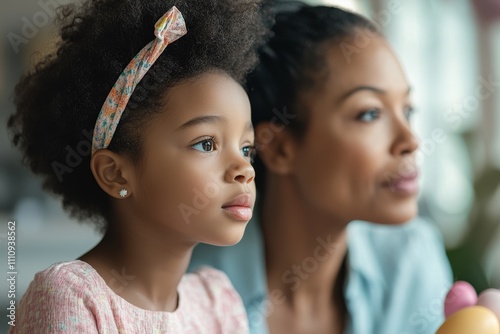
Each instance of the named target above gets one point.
<point>276,147</point>
<point>113,173</point>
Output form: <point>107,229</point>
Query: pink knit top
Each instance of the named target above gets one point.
<point>71,297</point>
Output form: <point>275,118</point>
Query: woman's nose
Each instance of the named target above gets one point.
<point>405,140</point>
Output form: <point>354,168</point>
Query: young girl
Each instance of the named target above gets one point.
<point>332,111</point>
<point>139,122</point>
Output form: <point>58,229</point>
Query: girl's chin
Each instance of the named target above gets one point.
<point>229,237</point>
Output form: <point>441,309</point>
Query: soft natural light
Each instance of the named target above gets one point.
<point>352,5</point>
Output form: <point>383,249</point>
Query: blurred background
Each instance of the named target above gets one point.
<point>451,52</point>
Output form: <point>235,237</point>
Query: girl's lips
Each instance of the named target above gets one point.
<point>241,200</point>
<point>240,207</point>
<point>239,212</point>
<point>405,184</point>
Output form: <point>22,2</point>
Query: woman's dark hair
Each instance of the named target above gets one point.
<point>58,102</point>
<point>293,61</point>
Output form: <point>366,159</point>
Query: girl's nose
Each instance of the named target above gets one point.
<point>240,170</point>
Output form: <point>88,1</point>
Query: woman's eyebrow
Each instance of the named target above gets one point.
<point>368,88</point>
<point>210,119</point>
<point>362,88</point>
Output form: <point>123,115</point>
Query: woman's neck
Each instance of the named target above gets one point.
<point>304,249</point>
<point>141,265</point>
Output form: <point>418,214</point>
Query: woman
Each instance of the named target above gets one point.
<point>331,109</point>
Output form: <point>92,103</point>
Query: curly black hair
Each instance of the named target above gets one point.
<point>293,61</point>
<point>58,102</point>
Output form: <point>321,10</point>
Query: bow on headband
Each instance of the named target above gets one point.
<point>168,28</point>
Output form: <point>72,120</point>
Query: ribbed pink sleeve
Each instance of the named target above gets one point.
<point>56,302</point>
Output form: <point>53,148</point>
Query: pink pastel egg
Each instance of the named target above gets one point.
<point>461,295</point>
<point>491,299</point>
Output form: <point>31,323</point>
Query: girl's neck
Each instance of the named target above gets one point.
<point>141,265</point>
<point>304,250</point>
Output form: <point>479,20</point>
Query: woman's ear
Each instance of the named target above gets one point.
<point>276,147</point>
<point>113,172</point>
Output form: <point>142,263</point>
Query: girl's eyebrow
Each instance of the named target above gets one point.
<point>249,127</point>
<point>210,119</point>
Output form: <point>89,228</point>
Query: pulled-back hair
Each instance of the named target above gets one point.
<point>293,61</point>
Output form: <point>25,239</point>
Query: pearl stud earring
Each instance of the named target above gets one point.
<point>123,193</point>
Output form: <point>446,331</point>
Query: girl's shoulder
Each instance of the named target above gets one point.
<point>65,280</point>
<point>210,289</point>
<point>212,284</point>
<point>210,277</point>
<point>61,298</point>
<point>66,274</point>
<point>73,282</point>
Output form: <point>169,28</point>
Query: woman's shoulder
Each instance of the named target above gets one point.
<point>395,243</point>
<point>400,271</point>
<point>392,252</point>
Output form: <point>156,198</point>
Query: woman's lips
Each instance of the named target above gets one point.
<point>406,184</point>
<point>240,207</point>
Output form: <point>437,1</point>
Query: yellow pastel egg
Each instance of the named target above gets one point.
<point>471,320</point>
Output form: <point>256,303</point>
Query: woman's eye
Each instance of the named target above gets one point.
<point>206,145</point>
<point>369,116</point>
<point>249,152</point>
<point>409,112</point>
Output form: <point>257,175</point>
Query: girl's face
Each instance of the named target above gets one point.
<point>196,179</point>
<point>357,158</point>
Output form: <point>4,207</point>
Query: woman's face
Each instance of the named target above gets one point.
<point>356,160</point>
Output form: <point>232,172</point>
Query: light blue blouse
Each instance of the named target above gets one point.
<point>397,277</point>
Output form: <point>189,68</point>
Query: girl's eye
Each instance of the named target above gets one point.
<point>369,116</point>
<point>249,152</point>
<point>206,145</point>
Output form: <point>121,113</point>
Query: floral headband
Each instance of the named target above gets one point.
<point>168,28</point>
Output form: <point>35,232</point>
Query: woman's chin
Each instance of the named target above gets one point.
<point>399,215</point>
<point>392,214</point>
